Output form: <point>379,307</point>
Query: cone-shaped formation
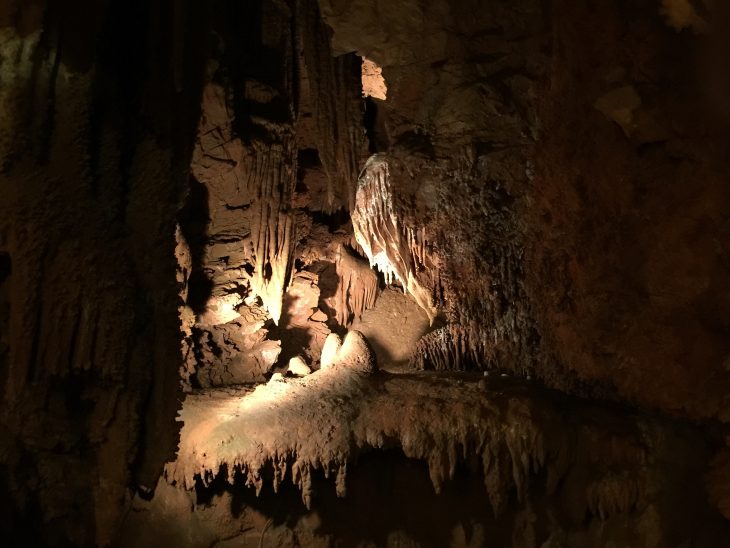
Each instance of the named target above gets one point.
<point>398,251</point>
<point>298,367</point>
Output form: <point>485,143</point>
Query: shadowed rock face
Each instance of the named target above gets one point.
<point>549,186</point>
<point>98,108</point>
<point>566,167</point>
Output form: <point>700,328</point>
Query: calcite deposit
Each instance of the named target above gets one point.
<point>397,250</point>
<point>522,206</point>
<point>521,440</point>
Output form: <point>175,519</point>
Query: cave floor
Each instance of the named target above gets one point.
<point>393,327</point>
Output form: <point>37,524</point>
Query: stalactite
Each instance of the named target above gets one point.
<point>246,159</point>
<point>514,437</point>
<point>454,347</point>
<point>270,182</point>
<point>335,88</point>
<point>614,494</point>
<point>357,287</point>
<point>397,250</point>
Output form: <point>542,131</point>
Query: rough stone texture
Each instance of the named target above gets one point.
<point>564,165</point>
<point>393,328</point>
<point>567,163</point>
<point>251,202</point>
<point>576,469</point>
<point>335,105</point>
<point>373,84</point>
<point>718,481</point>
<point>627,265</point>
<point>461,126</point>
<point>549,186</point>
<point>302,332</point>
<point>236,352</point>
<point>5,285</point>
<point>392,246</point>
<point>98,107</point>
<point>357,287</point>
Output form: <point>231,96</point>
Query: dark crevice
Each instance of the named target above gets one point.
<point>369,122</point>
<point>308,158</point>
<point>5,292</point>
<point>194,219</point>
<point>333,221</point>
<point>122,77</point>
<point>5,267</point>
<point>382,488</point>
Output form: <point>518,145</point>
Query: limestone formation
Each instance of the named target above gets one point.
<point>357,287</point>
<point>199,199</point>
<point>396,250</point>
<point>517,440</point>
<point>298,367</point>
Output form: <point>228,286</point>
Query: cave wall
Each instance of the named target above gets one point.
<point>628,232</point>
<point>278,147</point>
<point>555,169</point>
<point>99,104</point>
<point>460,125</point>
<point>564,163</point>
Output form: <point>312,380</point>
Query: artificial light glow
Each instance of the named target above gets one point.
<point>373,83</point>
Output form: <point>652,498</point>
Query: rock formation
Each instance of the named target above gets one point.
<point>522,442</point>
<point>199,200</point>
<point>395,249</point>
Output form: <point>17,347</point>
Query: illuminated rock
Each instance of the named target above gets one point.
<point>303,334</point>
<point>357,287</point>
<point>298,367</point>
<point>398,251</point>
<point>517,441</point>
<point>220,310</point>
<point>329,351</point>
<point>318,316</point>
<point>373,83</point>
<point>276,377</point>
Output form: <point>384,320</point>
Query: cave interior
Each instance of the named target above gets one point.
<point>365,273</point>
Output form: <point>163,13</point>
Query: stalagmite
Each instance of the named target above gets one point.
<point>298,367</point>
<point>329,351</point>
<point>396,250</point>
<point>453,347</point>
